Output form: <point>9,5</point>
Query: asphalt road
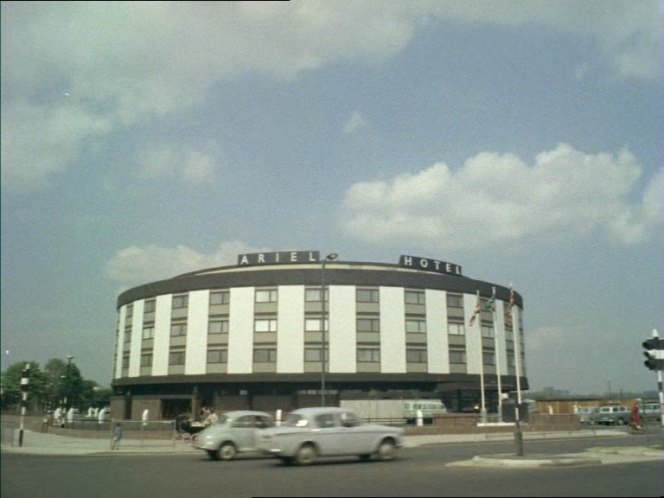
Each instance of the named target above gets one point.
<point>418,472</point>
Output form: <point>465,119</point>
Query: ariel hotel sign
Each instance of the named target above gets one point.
<point>428,264</point>
<point>295,257</point>
<point>278,258</point>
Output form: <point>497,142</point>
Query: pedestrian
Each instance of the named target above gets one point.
<point>117,436</point>
<point>211,419</point>
<point>635,418</point>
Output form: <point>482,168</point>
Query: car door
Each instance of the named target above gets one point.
<point>260,422</point>
<point>356,436</point>
<point>244,432</point>
<point>327,434</point>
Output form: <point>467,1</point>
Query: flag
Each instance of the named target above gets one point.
<point>508,311</point>
<point>476,312</point>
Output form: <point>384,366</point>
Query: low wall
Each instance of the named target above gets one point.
<point>467,423</point>
<point>452,423</point>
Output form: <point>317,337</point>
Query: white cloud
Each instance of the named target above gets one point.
<point>354,123</point>
<point>653,198</point>
<point>39,141</point>
<point>118,62</point>
<point>135,265</point>
<point>498,200</point>
<point>170,160</point>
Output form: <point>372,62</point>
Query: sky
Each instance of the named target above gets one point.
<point>522,140</point>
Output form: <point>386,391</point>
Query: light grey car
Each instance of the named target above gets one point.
<point>611,414</point>
<point>309,433</point>
<point>235,432</point>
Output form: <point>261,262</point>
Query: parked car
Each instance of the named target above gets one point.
<point>611,414</point>
<point>586,413</point>
<point>650,411</point>
<point>235,432</point>
<point>309,433</point>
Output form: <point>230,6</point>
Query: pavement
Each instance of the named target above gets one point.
<point>37,443</point>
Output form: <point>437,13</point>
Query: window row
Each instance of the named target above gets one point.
<point>363,295</point>
<point>221,326</point>
<point>315,355</point>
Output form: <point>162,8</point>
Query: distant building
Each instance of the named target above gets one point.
<point>252,336</point>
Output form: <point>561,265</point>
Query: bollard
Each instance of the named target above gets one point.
<point>419,422</point>
<point>277,420</point>
<point>518,435</point>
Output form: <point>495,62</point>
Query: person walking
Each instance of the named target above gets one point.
<point>635,420</point>
<point>117,436</point>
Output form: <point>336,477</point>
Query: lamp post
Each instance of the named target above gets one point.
<point>323,300</point>
<point>67,379</point>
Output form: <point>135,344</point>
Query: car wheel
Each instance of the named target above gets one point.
<point>227,451</point>
<point>306,455</point>
<point>386,450</point>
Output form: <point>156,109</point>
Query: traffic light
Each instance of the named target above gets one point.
<point>654,353</point>
<point>25,378</point>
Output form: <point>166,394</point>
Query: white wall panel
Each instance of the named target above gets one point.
<point>499,326</point>
<point>290,329</point>
<point>241,331</point>
<point>342,344</point>
<point>197,327</point>
<point>473,335</point>
<point>392,330</point>
<point>438,357</point>
<point>136,338</point>
<point>162,334</point>
<point>118,345</point>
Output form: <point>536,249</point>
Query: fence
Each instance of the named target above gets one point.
<point>140,434</point>
<point>135,433</point>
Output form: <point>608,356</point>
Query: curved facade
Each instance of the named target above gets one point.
<point>256,335</point>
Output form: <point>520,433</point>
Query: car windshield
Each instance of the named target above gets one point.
<point>295,420</point>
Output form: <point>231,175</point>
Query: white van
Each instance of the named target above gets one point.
<point>429,408</point>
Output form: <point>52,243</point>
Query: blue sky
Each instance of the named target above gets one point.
<point>521,140</point>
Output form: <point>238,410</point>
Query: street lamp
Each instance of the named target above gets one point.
<point>69,358</point>
<point>323,300</point>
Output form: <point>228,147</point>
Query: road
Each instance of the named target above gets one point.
<point>418,472</point>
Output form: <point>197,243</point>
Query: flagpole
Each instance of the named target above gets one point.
<point>518,435</point>
<point>497,356</point>
<point>477,313</point>
<point>517,348</point>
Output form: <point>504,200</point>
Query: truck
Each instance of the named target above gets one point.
<point>395,410</point>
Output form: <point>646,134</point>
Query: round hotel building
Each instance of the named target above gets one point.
<point>258,335</point>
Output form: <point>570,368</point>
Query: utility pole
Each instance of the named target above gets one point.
<point>25,382</point>
<point>654,353</point>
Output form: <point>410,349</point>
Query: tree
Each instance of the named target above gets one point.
<point>11,384</point>
<point>60,383</point>
<point>65,381</point>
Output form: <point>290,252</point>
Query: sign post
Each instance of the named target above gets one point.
<point>654,353</point>
<point>25,382</point>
